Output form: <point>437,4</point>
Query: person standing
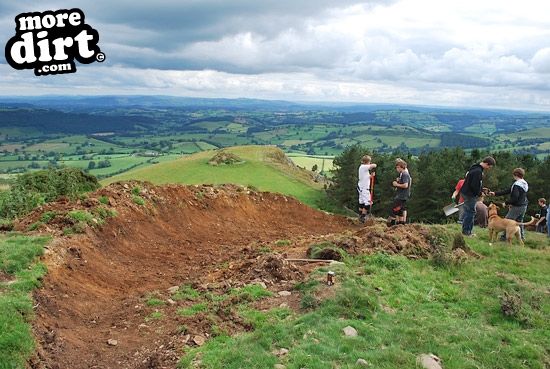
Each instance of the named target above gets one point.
<point>363,187</point>
<point>482,211</point>
<point>543,209</point>
<point>518,199</point>
<point>548,221</point>
<point>458,187</point>
<point>402,185</point>
<point>471,190</point>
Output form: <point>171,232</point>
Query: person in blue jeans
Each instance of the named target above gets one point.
<point>548,221</point>
<point>517,203</point>
<point>471,190</point>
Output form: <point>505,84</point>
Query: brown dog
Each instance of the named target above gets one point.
<point>497,224</point>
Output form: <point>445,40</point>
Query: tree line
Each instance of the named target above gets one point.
<point>435,175</point>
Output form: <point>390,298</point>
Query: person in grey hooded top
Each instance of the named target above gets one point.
<point>518,198</point>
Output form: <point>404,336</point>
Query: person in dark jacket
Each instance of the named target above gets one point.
<point>518,199</point>
<point>471,190</point>
<point>541,215</point>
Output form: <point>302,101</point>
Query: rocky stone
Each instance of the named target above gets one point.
<point>174,289</point>
<point>280,352</point>
<point>279,366</point>
<point>429,361</point>
<point>112,342</point>
<point>349,331</point>
<point>362,362</point>
<point>199,340</point>
<point>284,293</point>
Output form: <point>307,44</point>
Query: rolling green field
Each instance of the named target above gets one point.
<point>258,171</point>
<point>324,163</point>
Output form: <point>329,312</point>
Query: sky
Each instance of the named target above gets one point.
<point>468,53</point>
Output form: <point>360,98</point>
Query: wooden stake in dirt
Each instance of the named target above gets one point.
<point>311,260</point>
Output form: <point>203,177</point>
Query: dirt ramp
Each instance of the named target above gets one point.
<point>92,310</point>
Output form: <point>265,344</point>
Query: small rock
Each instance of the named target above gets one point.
<point>280,352</point>
<point>283,305</point>
<point>429,361</point>
<point>279,366</point>
<point>350,331</point>
<point>199,340</point>
<point>171,302</point>
<point>284,293</point>
<point>362,362</point>
<point>142,325</point>
<point>186,338</point>
<point>112,342</point>
<point>174,289</point>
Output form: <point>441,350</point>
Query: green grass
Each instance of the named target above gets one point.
<point>17,256</point>
<point>402,308</point>
<point>257,171</point>
<point>186,292</point>
<point>81,216</point>
<point>193,309</point>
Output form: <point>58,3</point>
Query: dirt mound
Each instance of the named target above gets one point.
<point>99,282</point>
<point>225,158</point>
<point>411,240</point>
<point>270,269</point>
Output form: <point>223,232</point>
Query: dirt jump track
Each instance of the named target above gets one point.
<point>136,244</point>
<point>97,282</point>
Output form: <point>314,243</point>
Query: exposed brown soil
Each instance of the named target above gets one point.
<point>98,282</point>
<point>214,239</point>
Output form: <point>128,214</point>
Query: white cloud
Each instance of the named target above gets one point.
<point>489,53</point>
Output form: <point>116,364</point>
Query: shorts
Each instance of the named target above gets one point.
<point>364,196</point>
<point>398,207</point>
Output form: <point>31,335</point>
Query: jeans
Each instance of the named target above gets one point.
<point>517,213</point>
<point>469,214</point>
<point>548,222</point>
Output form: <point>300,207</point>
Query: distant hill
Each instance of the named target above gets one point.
<point>264,167</point>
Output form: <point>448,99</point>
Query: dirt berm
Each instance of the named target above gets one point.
<point>98,281</point>
<point>118,256</point>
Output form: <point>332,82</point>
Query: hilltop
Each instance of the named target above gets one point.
<point>263,167</point>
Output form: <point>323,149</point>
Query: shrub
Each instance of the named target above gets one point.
<point>104,200</point>
<point>33,189</point>
<point>81,216</point>
<point>138,200</point>
<point>47,216</point>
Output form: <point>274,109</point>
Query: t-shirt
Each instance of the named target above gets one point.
<point>403,193</point>
<point>481,214</point>
<point>458,188</point>
<point>364,176</point>
<point>543,212</point>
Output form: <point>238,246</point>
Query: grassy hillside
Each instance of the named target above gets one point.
<point>489,312</point>
<point>260,169</point>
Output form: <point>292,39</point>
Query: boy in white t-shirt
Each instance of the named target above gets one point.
<point>363,187</point>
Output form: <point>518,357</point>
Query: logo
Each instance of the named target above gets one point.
<point>49,42</point>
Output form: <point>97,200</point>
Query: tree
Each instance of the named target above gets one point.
<point>314,168</point>
<point>91,165</point>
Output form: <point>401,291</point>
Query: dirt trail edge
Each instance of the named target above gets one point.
<point>91,311</point>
